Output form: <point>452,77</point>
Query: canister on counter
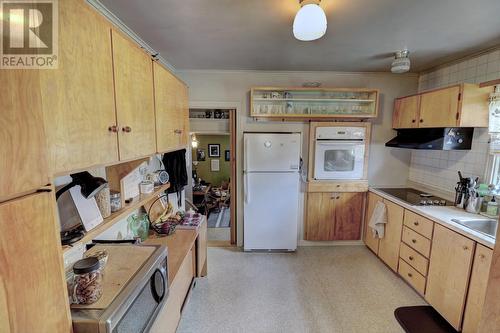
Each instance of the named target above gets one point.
<point>116,201</point>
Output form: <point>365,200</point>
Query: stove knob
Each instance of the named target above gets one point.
<point>442,203</point>
<point>436,202</point>
<point>423,202</point>
<point>430,202</point>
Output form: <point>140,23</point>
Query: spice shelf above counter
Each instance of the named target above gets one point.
<point>117,216</point>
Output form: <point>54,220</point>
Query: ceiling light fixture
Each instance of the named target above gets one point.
<point>401,63</point>
<point>310,22</point>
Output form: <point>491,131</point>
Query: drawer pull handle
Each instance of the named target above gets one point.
<point>413,241</point>
<point>410,275</point>
<point>410,257</point>
<point>415,223</point>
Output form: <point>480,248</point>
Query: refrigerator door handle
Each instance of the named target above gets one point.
<point>247,191</point>
<point>245,147</point>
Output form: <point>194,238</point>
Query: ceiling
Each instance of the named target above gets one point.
<point>257,34</point>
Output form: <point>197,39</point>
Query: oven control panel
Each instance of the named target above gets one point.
<point>340,133</point>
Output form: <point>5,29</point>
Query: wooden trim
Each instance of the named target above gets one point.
<point>233,183</point>
<point>337,186</point>
<point>489,83</point>
<point>432,90</point>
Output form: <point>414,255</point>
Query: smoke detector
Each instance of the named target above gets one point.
<point>401,63</point>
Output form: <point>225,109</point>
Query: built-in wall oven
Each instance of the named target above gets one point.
<point>339,153</point>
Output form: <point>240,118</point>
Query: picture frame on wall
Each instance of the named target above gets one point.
<point>227,155</point>
<point>214,150</point>
<point>200,154</point>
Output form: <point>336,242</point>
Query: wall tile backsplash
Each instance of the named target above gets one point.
<point>440,168</point>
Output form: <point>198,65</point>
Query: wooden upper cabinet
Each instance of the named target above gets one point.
<point>33,296</point>
<point>23,166</point>
<point>172,113</point>
<point>334,216</point>
<point>388,249</point>
<point>371,241</point>
<point>78,97</point>
<point>477,289</point>
<point>406,112</point>
<point>135,112</point>
<point>449,271</point>
<point>463,105</point>
<point>439,108</point>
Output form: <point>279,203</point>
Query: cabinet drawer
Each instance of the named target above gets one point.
<point>419,224</point>
<point>416,241</point>
<point>412,276</point>
<point>414,259</point>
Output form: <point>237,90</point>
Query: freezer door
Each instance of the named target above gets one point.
<point>271,152</point>
<point>271,211</point>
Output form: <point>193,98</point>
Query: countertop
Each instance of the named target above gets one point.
<point>444,215</point>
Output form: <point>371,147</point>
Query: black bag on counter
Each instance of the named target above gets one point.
<point>175,165</point>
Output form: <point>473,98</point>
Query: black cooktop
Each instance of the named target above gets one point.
<point>415,197</point>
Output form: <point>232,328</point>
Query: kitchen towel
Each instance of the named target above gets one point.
<point>378,220</point>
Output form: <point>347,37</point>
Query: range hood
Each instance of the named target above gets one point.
<point>448,138</point>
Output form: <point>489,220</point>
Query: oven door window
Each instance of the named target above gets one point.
<point>339,160</point>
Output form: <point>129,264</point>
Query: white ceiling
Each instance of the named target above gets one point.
<point>257,34</point>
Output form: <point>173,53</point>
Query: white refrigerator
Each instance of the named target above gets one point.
<point>271,191</point>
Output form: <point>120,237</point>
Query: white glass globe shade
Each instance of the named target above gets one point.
<point>400,65</point>
<point>310,23</point>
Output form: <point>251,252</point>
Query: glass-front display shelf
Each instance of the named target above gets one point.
<point>314,103</point>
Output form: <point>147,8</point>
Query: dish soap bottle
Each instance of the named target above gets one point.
<point>492,209</point>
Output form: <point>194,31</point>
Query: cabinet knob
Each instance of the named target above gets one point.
<point>415,223</point>
<point>413,120</point>
<point>465,247</point>
<point>113,128</point>
<point>127,129</point>
<point>410,257</point>
<point>177,131</point>
<point>410,275</point>
<point>413,241</point>
<point>421,120</point>
<point>482,256</point>
<point>337,198</point>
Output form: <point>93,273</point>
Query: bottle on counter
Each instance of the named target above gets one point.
<point>492,208</point>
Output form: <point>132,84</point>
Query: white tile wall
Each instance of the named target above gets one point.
<point>440,168</point>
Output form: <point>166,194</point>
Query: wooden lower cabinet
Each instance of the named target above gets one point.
<point>371,241</point>
<point>33,297</point>
<point>477,289</point>
<point>388,249</point>
<point>449,271</point>
<point>169,316</point>
<point>334,216</point>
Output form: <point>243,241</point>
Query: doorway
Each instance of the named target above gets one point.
<point>213,170</point>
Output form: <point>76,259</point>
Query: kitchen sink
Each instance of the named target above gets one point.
<point>485,226</point>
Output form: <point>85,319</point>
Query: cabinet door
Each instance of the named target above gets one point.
<point>406,112</point>
<point>134,99</point>
<point>449,270</point>
<point>171,110</point>
<point>78,97</point>
<point>334,216</point>
<point>184,126</point>
<point>33,296</point>
<point>320,221</point>
<point>388,249</point>
<point>439,108</point>
<point>477,289</point>
<point>348,216</point>
<point>371,241</point>
<point>23,166</point>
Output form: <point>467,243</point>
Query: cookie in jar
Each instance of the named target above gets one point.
<point>87,283</point>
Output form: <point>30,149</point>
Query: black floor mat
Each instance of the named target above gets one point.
<point>422,319</point>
